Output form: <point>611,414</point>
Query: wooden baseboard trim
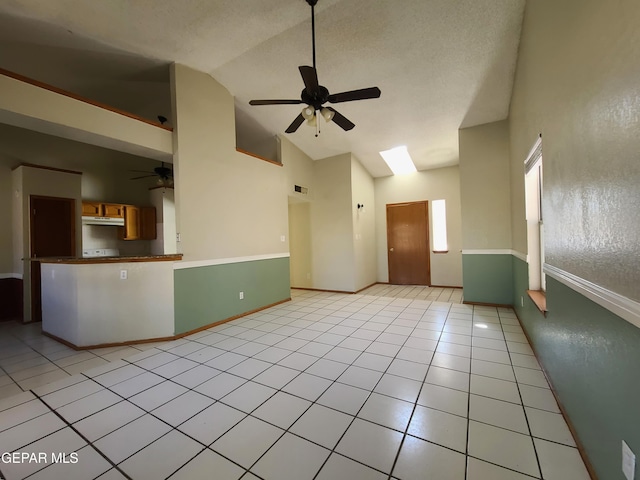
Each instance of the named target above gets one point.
<point>162,339</point>
<point>444,286</point>
<point>368,286</point>
<point>483,304</point>
<point>563,412</point>
<point>322,290</point>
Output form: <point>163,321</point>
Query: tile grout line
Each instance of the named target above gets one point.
<point>81,436</point>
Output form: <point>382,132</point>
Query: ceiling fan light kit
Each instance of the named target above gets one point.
<point>315,95</point>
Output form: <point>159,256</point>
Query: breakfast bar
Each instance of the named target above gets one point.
<point>91,302</point>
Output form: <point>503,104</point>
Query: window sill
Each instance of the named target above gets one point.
<point>440,251</point>
<point>539,299</point>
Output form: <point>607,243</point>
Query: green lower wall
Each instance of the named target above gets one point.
<point>592,358</point>
<point>487,278</point>
<point>204,295</point>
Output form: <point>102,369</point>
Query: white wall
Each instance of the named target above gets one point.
<point>227,204</point>
<point>484,187</point>
<point>140,307</point>
<point>441,183</point>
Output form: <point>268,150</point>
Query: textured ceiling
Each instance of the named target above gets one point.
<point>441,64</point>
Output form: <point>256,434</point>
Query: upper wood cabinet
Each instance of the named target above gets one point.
<point>139,223</point>
<point>113,210</point>
<point>131,229</point>
<point>91,209</point>
<point>148,223</point>
<point>97,209</point>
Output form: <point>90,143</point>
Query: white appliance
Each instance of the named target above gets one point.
<point>119,222</point>
<point>100,252</point>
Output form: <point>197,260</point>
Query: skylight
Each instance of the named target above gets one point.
<point>399,160</point>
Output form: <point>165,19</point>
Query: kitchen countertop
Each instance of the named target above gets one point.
<point>88,260</point>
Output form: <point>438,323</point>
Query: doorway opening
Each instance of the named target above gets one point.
<point>408,243</point>
<point>53,234</point>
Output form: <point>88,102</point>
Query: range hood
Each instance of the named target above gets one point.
<point>103,221</point>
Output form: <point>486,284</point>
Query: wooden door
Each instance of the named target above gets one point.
<point>408,243</point>
<point>53,234</point>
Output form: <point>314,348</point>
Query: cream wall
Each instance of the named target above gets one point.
<point>332,225</point>
<point>364,226</point>
<point>27,181</point>
<point>441,183</point>
<point>227,204</point>
<point>6,241</point>
<point>300,262</point>
<point>579,88</point>
<point>484,187</point>
<point>27,106</point>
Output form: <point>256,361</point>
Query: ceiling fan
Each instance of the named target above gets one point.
<point>315,95</point>
<point>164,174</point>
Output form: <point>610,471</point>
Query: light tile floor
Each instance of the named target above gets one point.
<point>327,386</point>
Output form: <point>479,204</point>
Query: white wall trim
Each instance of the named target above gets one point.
<point>622,306</point>
<point>503,251</point>
<point>521,256</point>
<point>11,275</point>
<point>224,261</point>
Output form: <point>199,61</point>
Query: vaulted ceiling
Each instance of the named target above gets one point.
<point>441,64</point>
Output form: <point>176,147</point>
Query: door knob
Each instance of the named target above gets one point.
<point>391,249</point>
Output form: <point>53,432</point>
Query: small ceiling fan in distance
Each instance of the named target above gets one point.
<point>164,174</point>
<point>315,95</point>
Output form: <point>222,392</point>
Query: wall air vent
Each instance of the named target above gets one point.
<point>299,189</point>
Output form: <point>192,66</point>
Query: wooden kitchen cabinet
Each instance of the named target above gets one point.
<point>131,229</point>
<point>139,223</point>
<point>91,209</point>
<point>97,209</point>
<point>148,223</point>
<point>112,210</point>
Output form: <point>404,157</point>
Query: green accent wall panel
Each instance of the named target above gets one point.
<point>592,357</point>
<point>487,278</point>
<point>204,295</point>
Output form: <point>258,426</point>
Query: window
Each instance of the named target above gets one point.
<point>439,223</point>
<point>535,226</point>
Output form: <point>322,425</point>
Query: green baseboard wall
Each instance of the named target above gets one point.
<point>592,357</point>
<point>487,278</point>
<point>204,295</point>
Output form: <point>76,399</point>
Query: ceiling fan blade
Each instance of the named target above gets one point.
<point>362,94</point>
<point>295,124</point>
<point>340,120</point>
<point>309,77</point>
<point>144,176</point>
<point>275,102</point>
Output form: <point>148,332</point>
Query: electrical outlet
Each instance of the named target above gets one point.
<point>178,237</point>
<point>241,295</point>
<point>628,461</point>
<point>123,274</point>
